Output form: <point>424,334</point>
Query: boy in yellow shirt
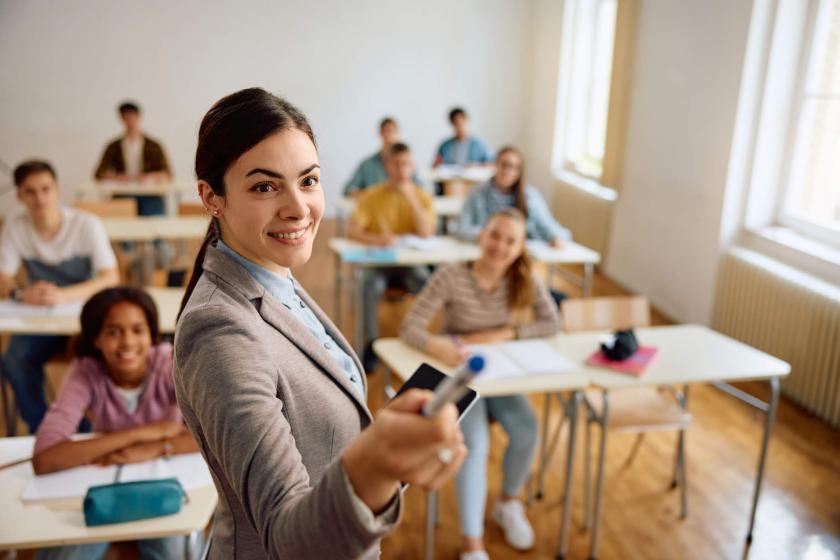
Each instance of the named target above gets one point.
<point>394,207</point>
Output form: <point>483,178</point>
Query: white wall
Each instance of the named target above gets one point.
<point>664,241</point>
<point>66,65</point>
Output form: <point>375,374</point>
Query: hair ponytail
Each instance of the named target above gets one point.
<point>210,238</point>
<point>520,283</point>
<point>518,186</point>
<point>233,125</point>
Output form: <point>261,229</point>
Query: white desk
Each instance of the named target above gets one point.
<point>443,206</point>
<point>61,522</point>
<point>172,191</point>
<point>167,300</point>
<point>155,227</point>
<point>403,360</point>
<point>451,250</point>
<point>570,253</point>
<point>688,354</point>
<point>467,173</point>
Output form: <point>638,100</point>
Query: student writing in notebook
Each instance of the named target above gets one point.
<point>508,189</point>
<point>493,299</point>
<point>122,378</point>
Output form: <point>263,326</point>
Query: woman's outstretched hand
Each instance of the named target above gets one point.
<point>401,445</point>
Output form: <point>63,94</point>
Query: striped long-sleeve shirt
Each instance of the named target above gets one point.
<point>468,308</point>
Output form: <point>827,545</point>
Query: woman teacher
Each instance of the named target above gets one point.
<point>267,384</point>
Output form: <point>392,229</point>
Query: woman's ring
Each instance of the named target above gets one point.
<point>444,455</point>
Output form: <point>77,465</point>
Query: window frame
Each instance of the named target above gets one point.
<point>781,216</point>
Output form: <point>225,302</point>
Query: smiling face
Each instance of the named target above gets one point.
<point>125,341</point>
<point>502,241</point>
<point>508,170</point>
<point>273,201</point>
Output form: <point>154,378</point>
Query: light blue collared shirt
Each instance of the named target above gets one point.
<point>285,291</point>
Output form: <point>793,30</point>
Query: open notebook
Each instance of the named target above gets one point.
<point>519,358</point>
<point>189,468</point>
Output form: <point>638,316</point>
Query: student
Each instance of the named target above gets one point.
<point>66,256</point>
<point>372,170</point>
<point>122,377</point>
<point>462,149</point>
<point>490,300</point>
<point>506,189</point>
<point>394,207</point>
<point>135,157</point>
<point>267,384</point>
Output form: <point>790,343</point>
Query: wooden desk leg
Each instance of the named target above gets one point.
<point>431,521</point>
<point>337,292</point>
<point>768,428</point>
<point>599,481</point>
<point>571,416</point>
<point>360,275</point>
<point>588,269</point>
<point>9,410</point>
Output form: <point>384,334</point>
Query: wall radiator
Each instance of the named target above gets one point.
<point>790,315</point>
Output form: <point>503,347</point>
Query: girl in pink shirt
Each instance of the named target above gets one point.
<point>122,378</point>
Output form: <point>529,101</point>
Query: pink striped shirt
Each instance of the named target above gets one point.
<point>89,388</point>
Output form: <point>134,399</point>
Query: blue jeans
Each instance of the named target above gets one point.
<point>23,366</point>
<point>169,548</point>
<point>516,417</point>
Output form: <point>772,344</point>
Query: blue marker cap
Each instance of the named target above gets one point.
<point>476,363</point>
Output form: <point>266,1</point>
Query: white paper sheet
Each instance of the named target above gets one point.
<point>420,243</point>
<point>10,308</point>
<point>519,358</point>
<point>190,470</point>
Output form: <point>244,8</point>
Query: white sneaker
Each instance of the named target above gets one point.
<point>510,515</point>
<point>475,555</point>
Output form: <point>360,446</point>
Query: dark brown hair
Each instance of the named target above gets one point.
<point>398,148</point>
<point>128,107</point>
<point>519,274</point>
<point>233,125</point>
<point>455,112</point>
<point>31,167</point>
<point>387,121</point>
<point>518,186</point>
<point>96,310</point>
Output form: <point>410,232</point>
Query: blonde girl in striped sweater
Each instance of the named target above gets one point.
<point>492,299</point>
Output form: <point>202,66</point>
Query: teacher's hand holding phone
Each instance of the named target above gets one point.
<point>403,445</point>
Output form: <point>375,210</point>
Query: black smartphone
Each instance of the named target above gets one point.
<point>427,377</point>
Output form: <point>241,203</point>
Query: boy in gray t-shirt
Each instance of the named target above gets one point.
<point>67,258</point>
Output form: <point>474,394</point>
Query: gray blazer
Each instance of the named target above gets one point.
<point>271,411</point>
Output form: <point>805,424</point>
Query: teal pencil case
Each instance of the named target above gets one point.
<point>129,501</point>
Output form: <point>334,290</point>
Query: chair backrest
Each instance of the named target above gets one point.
<point>191,209</point>
<point>605,313</point>
<point>118,208</point>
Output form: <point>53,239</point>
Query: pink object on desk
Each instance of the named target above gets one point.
<point>634,365</point>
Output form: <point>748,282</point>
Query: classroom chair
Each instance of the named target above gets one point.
<point>637,411</point>
<point>117,208</point>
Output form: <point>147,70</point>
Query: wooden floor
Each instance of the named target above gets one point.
<point>798,516</point>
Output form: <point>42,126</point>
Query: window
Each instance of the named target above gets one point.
<point>589,28</point>
<point>810,197</point>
